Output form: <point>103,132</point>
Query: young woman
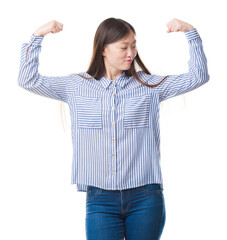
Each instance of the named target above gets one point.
<point>114,113</point>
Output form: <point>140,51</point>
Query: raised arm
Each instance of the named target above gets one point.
<point>197,74</point>
<point>29,78</point>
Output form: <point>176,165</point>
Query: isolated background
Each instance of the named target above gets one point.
<point>37,198</point>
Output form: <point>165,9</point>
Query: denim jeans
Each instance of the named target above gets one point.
<point>130,214</point>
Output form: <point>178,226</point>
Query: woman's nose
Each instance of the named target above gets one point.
<point>131,54</point>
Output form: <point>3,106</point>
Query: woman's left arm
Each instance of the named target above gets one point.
<point>197,74</point>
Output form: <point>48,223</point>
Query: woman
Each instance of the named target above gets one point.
<point>114,113</point>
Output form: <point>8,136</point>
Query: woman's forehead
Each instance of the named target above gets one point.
<point>130,38</point>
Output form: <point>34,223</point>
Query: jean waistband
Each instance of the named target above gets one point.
<point>154,186</point>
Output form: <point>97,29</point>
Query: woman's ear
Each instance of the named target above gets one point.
<point>103,52</point>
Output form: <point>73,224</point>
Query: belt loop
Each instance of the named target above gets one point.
<point>162,186</point>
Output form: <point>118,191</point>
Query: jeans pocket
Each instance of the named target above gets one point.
<point>93,192</point>
<point>152,188</point>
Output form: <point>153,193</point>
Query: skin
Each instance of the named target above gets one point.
<point>116,54</point>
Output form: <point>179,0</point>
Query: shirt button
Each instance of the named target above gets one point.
<point>113,154</point>
<point>113,139</point>
<point>113,170</point>
<point>112,123</point>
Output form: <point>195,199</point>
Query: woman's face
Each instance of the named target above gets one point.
<point>117,54</point>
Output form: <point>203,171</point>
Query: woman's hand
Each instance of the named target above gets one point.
<point>177,25</point>
<point>50,27</point>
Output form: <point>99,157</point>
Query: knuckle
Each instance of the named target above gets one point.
<point>53,23</point>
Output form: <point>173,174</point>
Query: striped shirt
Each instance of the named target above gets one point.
<point>114,124</point>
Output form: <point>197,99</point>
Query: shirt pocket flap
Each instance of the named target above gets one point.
<point>89,112</point>
<point>137,112</point>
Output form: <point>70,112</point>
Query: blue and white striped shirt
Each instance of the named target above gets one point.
<point>114,124</point>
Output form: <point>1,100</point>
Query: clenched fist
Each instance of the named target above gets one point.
<point>50,27</point>
<point>177,25</point>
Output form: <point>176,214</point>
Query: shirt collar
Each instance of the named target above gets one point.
<point>120,81</point>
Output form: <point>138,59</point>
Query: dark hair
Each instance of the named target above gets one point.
<point>109,31</point>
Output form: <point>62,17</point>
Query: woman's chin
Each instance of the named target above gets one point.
<point>126,68</point>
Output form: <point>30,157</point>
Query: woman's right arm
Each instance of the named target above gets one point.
<point>29,78</point>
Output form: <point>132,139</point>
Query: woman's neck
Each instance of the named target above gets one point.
<point>112,75</point>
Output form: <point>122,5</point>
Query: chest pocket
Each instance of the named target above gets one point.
<point>137,112</point>
<point>89,112</point>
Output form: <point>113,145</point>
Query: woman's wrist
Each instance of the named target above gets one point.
<point>38,34</point>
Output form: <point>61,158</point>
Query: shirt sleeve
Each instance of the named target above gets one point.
<point>30,79</point>
<point>196,76</point>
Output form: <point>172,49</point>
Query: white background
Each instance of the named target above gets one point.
<point>37,198</point>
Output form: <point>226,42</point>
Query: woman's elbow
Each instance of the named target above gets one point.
<point>206,78</point>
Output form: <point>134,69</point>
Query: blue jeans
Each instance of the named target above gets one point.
<point>130,214</point>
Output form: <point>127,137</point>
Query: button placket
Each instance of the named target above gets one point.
<point>113,132</point>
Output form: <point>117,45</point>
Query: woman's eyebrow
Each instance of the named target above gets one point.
<point>127,42</point>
